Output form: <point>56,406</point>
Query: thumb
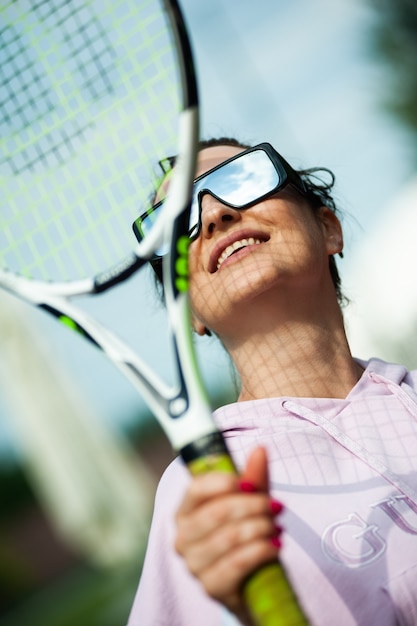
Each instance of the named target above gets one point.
<point>255,475</point>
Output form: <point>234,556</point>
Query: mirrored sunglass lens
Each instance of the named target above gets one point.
<point>245,179</point>
<point>145,225</point>
<point>239,182</point>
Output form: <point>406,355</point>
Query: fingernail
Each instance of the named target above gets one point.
<point>276,542</point>
<point>247,486</point>
<point>276,506</point>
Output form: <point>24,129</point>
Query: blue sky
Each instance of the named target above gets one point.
<point>300,75</point>
<point>295,73</point>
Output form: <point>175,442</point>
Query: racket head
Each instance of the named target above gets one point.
<point>93,95</point>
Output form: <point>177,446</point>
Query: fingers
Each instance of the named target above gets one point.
<point>256,470</point>
<point>222,525</point>
<point>204,487</point>
<point>202,513</point>
<point>223,578</point>
<point>226,528</point>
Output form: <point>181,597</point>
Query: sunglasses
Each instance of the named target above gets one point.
<point>240,182</point>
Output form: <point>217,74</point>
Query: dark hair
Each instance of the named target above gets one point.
<point>318,195</point>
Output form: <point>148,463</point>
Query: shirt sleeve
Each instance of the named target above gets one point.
<point>168,595</point>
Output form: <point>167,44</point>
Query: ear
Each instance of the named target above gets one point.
<point>332,230</point>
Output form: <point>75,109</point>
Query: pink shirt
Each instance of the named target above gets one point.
<point>346,471</point>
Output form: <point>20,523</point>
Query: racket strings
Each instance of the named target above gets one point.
<point>90,98</point>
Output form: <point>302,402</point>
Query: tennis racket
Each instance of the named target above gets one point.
<point>93,94</point>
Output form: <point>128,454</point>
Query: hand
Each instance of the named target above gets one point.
<point>226,530</point>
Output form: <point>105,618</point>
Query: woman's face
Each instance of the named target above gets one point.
<point>276,248</point>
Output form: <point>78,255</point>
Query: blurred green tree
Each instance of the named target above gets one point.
<point>394,40</point>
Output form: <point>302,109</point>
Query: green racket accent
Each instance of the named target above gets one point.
<point>69,323</point>
<point>181,264</point>
<point>181,267</point>
<point>72,325</point>
<point>183,245</point>
<point>182,284</point>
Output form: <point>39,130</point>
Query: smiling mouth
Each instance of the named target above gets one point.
<point>235,246</point>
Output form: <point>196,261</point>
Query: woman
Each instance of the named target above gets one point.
<point>332,437</point>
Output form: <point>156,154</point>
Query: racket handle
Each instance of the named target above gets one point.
<point>268,594</point>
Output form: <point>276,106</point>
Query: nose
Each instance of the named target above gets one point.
<point>216,215</point>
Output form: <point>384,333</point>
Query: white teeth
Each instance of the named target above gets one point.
<point>241,243</point>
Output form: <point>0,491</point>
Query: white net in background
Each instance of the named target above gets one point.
<point>89,103</point>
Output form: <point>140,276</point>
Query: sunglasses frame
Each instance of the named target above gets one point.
<point>287,176</point>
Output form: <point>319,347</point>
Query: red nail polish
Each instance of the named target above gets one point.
<point>276,542</point>
<point>247,486</point>
<point>276,506</point>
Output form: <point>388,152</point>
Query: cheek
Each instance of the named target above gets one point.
<point>307,235</point>
<point>194,264</point>
<point>207,300</point>
<point>201,304</point>
<point>200,292</point>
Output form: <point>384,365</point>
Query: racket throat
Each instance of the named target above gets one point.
<point>179,405</point>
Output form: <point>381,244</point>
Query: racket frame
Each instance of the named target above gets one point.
<point>183,410</point>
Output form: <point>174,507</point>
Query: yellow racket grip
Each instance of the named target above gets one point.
<point>271,600</point>
<point>268,594</point>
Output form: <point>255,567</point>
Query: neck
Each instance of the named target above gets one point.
<point>299,356</point>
